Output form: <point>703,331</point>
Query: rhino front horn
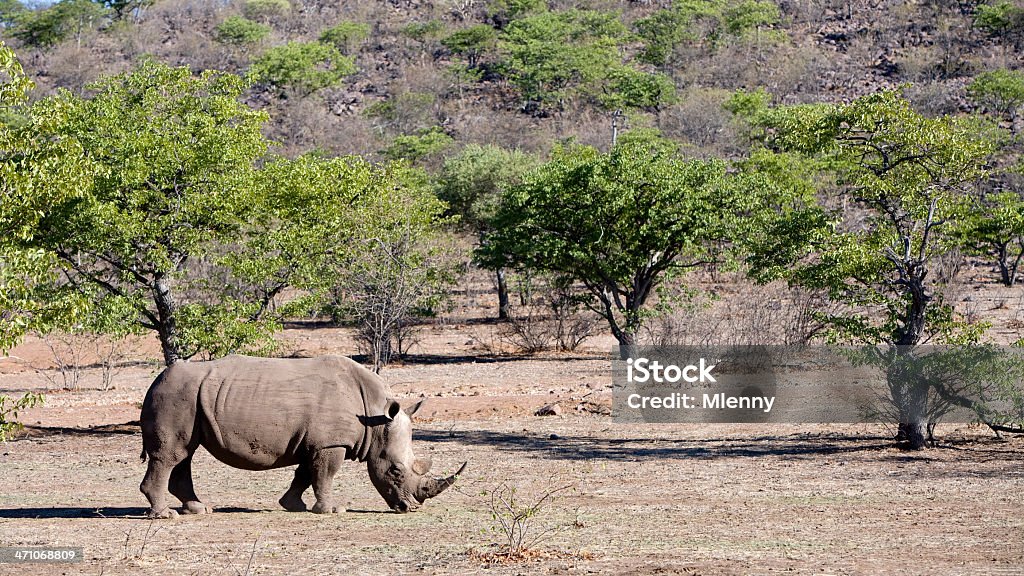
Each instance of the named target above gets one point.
<point>430,487</point>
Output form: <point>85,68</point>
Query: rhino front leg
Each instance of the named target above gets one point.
<point>324,465</point>
<point>292,499</point>
<point>181,486</point>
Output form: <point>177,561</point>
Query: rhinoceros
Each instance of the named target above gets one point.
<point>263,413</point>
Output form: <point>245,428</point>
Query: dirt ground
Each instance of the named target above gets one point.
<point>638,499</point>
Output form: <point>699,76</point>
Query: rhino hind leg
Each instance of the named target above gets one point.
<point>180,485</point>
<point>292,499</point>
<point>324,466</point>
<point>154,486</point>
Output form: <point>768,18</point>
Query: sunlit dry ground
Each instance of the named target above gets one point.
<point>692,499</point>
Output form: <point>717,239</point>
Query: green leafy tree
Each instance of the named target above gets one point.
<point>472,42</point>
<point>173,159</point>
<point>302,66</point>
<point>549,53</point>
<point>266,10</point>
<point>749,16</point>
<point>38,167</point>
<point>555,56</point>
<point>628,87</point>
<point>710,21</point>
<point>994,224</point>
<point>619,223</point>
<point>363,241</point>
<point>240,31</point>
<point>1001,18</point>
<point>346,36</point>
<point>1000,90</point>
<point>403,264</point>
<point>472,183</point>
<point>45,27</point>
<point>419,146</point>
<point>10,11</point>
<point>424,31</point>
<point>907,175</point>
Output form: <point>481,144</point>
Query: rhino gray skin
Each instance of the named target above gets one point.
<point>263,413</point>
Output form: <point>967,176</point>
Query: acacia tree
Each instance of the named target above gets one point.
<point>995,222</point>
<point>172,170</point>
<point>472,183</point>
<point>38,167</point>
<point>553,57</point>
<point>908,178</point>
<point>362,240</point>
<point>619,223</point>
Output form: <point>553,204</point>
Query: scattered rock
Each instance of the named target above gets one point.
<point>549,410</point>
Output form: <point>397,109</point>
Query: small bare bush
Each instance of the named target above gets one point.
<point>550,315</point>
<point>768,315</point>
<point>520,523</point>
<point>73,352</point>
<point>66,351</point>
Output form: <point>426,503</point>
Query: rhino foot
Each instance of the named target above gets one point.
<point>195,507</point>
<point>157,514</point>
<point>292,504</point>
<point>321,508</point>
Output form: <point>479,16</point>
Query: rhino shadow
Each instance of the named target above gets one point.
<point>130,512</point>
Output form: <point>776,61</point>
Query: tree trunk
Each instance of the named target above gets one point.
<point>909,390</point>
<point>625,337</point>
<point>1005,273</point>
<point>168,326</point>
<point>502,294</point>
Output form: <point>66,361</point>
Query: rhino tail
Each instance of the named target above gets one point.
<point>142,456</point>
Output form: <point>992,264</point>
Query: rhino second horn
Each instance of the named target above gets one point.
<point>430,487</point>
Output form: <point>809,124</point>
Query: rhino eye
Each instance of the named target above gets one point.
<point>396,471</point>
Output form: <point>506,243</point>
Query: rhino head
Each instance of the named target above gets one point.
<point>401,478</point>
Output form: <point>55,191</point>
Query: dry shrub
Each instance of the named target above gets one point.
<point>74,352</point>
<point>322,122</point>
<point>175,31</point>
<point>480,124</point>
<point>519,522</point>
<point>773,314</point>
<point>550,315</point>
<point>700,119</point>
<point>936,98</point>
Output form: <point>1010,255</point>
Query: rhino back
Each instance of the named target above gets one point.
<point>259,413</point>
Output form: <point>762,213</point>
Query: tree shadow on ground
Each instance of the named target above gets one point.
<point>127,428</point>
<point>636,449</point>
<point>429,359</point>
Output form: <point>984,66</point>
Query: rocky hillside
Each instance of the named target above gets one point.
<point>449,72</point>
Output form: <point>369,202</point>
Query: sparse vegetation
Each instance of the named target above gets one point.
<point>521,525</point>
<point>240,31</point>
<point>9,408</point>
<point>302,66</point>
<point>576,92</point>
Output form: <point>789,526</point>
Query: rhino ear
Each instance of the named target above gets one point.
<point>391,410</point>
<point>415,407</point>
